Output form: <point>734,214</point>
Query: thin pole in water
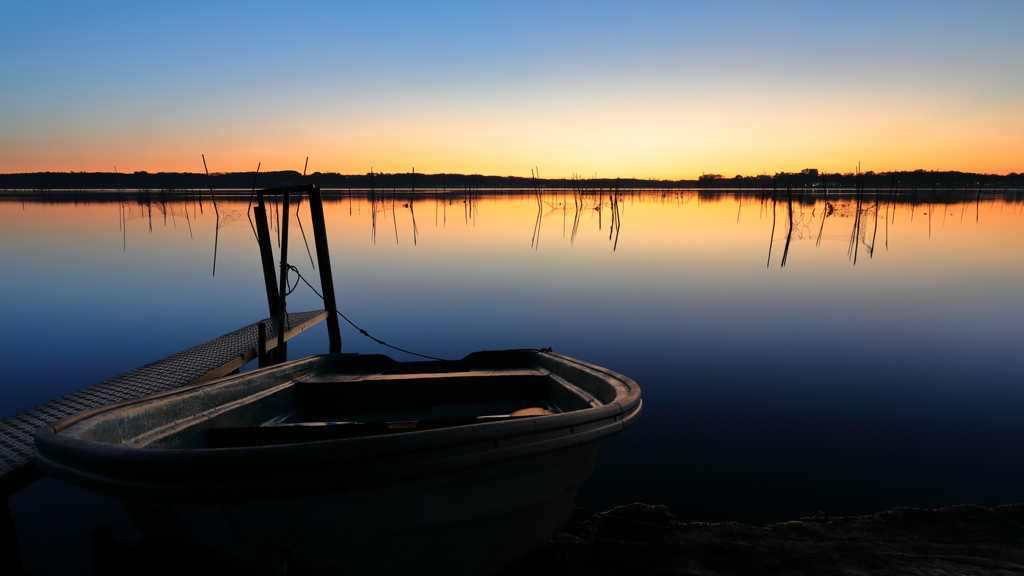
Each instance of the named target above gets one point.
<point>282,352</point>
<point>209,181</point>
<point>124,222</point>
<point>298,206</point>
<point>261,345</point>
<point>316,210</point>
<point>216,236</point>
<point>266,253</point>
<point>248,211</point>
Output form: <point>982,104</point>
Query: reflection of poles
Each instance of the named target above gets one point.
<point>124,223</point>
<point>298,219</point>
<point>618,227</point>
<point>373,208</point>
<point>535,239</point>
<point>412,190</point>
<point>248,211</point>
<point>415,228</point>
<point>874,235</point>
<point>575,223</point>
<point>188,219</point>
<point>611,208</point>
<point>855,234</point>
<point>977,201</point>
<point>824,214</point>
<point>394,213</point>
<point>577,200</point>
<point>213,198</point>
<point>892,195</point>
<point>931,209</point>
<point>611,192</point>
<point>771,239</point>
<point>277,220</point>
<point>266,253</point>
<point>473,198</point>
<point>616,218</point>
<point>789,233</point>
<point>216,241</point>
<point>298,206</point>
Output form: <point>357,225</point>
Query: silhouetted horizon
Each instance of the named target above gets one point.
<point>807,178</point>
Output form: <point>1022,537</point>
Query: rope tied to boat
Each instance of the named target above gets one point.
<point>291,289</point>
<point>353,324</point>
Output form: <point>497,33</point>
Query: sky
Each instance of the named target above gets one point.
<point>639,89</point>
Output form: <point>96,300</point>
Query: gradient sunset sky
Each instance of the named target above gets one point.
<point>645,89</point>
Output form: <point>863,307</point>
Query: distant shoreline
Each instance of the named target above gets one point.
<point>239,182</point>
<point>807,196</point>
<point>794,196</point>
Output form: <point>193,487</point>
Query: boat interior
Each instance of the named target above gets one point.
<point>371,398</point>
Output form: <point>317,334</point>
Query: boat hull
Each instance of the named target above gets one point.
<point>393,468</point>
<point>463,522</point>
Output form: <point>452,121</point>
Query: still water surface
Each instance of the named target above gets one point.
<point>796,358</point>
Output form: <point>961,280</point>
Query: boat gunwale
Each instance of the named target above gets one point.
<point>227,485</point>
<point>61,451</point>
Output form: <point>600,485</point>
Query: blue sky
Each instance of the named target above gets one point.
<point>661,89</point>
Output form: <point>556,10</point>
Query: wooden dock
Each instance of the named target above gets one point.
<point>207,361</point>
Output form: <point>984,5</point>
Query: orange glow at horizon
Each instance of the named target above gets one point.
<point>754,91</point>
<point>650,138</point>
<point>998,158</point>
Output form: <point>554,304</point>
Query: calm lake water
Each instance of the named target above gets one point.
<point>796,358</point>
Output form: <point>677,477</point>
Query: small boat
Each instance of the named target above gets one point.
<point>354,464</point>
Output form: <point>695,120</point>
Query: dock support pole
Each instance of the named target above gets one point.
<point>281,353</point>
<point>266,254</point>
<point>262,360</point>
<point>316,210</point>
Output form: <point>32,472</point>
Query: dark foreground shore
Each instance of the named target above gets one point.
<point>644,539</point>
<point>647,540</point>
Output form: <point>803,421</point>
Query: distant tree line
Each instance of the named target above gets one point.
<point>808,178</point>
<point>916,179</point>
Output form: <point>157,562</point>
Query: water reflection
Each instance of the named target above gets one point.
<point>868,217</point>
<point>773,392</point>
<point>865,215</point>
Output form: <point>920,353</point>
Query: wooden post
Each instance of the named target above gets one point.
<point>261,346</point>
<point>316,210</point>
<point>281,354</point>
<point>266,254</point>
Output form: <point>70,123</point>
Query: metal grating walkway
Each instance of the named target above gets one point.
<point>209,360</point>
